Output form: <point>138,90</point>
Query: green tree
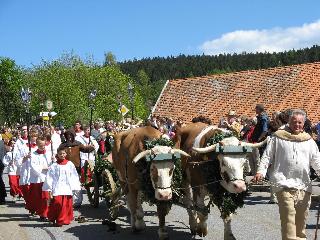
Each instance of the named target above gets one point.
<point>110,59</point>
<point>67,82</point>
<point>11,110</point>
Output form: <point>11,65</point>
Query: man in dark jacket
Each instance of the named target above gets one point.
<point>73,149</point>
<point>261,129</point>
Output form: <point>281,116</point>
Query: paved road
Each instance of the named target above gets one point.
<point>257,220</point>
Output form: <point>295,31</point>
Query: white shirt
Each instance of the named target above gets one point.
<point>291,161</point>
<point>85,156</point>
<point>56,141</point>
<point>10,161</point>
<point>62,179</point>
<point>25,166</point>
<point>78,134</point>
<point>39,165</point>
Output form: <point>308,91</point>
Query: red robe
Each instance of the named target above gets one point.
<point>61,207</point>
<point>38,199</point>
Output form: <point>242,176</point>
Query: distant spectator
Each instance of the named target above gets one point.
<point>317,128</point>
<point>3,192</point>
<point>231,123</point>
<point>261,130</point>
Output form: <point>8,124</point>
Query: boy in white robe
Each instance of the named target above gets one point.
<point>11,162</point>
<point>39,164</point>
<point>61,180</point>
<point>24,156</point>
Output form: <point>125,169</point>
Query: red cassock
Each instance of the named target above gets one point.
<point>61,210</point>
<point>38,199</point>
<point>26,193</point>
<point>15,189</point>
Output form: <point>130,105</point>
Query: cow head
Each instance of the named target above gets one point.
<point>161,172</point>
<point>231,165</point>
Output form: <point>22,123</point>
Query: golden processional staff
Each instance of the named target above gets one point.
<point>26,99</point>
<point>49,106</point>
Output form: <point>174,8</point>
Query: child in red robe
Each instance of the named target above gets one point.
<point>62,178</point>
<point>39,164</point>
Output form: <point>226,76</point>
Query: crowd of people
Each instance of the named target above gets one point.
<point>46,164</point>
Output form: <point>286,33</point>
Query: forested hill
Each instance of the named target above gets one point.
<point>163,68</point>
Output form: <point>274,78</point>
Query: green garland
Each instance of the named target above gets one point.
<point>101,165</point>
<point>226,202</point>
<point>217,138</point>
<point>144,169</point>
<point>149,144</point>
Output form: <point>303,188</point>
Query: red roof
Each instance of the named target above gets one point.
<point>280,88</point>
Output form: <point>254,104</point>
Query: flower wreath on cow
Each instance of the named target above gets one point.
<point>214,170</point>
<point>145,163</point>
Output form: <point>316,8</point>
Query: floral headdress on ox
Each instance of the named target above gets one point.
<point>226,202</point>
<point>147,188</point>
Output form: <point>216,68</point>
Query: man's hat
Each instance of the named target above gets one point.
<point>232,113</point>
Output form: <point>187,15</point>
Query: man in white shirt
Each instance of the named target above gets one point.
<point>291,151</point>
<point>78,128</point>
<point>86,140</point>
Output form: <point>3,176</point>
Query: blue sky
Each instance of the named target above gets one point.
<point>36,30</point>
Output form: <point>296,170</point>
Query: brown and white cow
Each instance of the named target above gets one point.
<point>128,150</point>
<point>192,139</point>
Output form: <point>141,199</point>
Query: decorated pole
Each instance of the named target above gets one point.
<point>49,106</point>
<point>92,96</point>
<point>26,99</point>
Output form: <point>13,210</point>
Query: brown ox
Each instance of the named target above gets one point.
<point>192,138</point>
<point>127,151</point>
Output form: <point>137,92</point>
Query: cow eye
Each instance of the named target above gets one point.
<point>154,170</point>
<point>226,177</point>
<point>171,172</point>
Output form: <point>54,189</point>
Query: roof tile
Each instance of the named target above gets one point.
<point>279,88</point>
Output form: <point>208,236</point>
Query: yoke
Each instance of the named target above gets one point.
<point>163,157</point>
<point>229,149</point>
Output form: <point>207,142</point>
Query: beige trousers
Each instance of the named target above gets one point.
<point>293,208</point>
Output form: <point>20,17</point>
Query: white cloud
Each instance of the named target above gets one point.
<point>266,40</point>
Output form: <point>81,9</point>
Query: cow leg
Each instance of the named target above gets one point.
<point>134,204</point>
<point>228,235</point>
<point>202,216</point>
<point>162,210</point>
<point>187,200</point>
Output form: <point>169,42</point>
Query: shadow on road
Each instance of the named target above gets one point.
<point>253,200</point>
<point>124,232</point>
<point>14,217</point>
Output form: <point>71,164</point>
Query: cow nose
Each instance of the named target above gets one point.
<point>239,186</point>
<point>165,195</point>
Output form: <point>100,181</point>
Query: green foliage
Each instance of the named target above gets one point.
<point>10,84</point>
<point>158,142</point>
<point>216,138</point>
<point>67,82</point>
<point>227,202</point>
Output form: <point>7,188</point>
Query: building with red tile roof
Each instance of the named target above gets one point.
<point>213,96</point>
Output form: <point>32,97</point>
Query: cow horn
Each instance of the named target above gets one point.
<point>210,148</point>
<point>254,145</point>
<point>141,155</point>
<point>179,151</point>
